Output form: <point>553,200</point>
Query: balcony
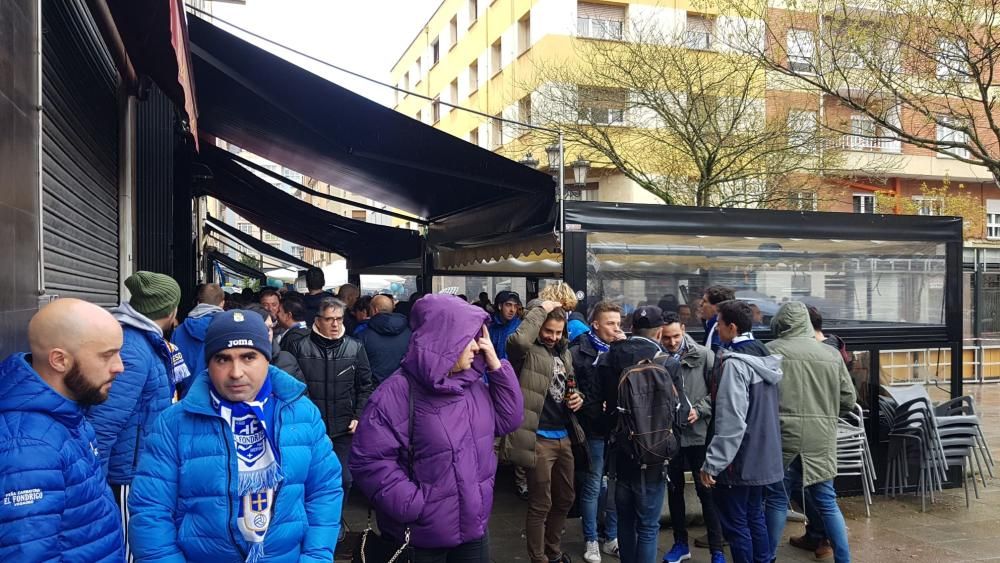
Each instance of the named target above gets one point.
<point>870,144</point>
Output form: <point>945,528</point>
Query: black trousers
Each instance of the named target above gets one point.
<point>476,551</point>
<point>690,459</point>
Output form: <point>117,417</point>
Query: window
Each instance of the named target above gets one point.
<point>928,205</point>
<point>864,203</point>
<point>298,251</point>
<point>436,110</point>
<point>844,42</point>
<point>473,11</point>
<point>803,201</point>
<point>453,31</point>
<point>359,214</point>
<point>524,34</point>
<point>600,21</point>
<point>245,227</point>
<point>952,59</point>
<point>801,130</point>
<point>420,115</point>
<point>453,92</point>
<point>474,76</point>
<point>496,56</point>
<point>993,226</point>
<point>436,52</point>
<point>417,74</point>
<point>474,136</point>
<point>801,48</point>
<point>269,237</point>
<point>946,134</point>
<point>406,80</point>
<point>524,109</point>
<point>862,135</point>
<point>496,131</point>
<point>601,106</point>
<point>698,33</point>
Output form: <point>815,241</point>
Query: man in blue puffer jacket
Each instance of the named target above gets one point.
<point>146,387</point>
<point>505,320</point>
<point>190,335</point>
<point>56,505</point>
<point>241,470</point>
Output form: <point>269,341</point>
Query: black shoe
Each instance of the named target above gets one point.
<point>564,558</point>
<point>702,541</point>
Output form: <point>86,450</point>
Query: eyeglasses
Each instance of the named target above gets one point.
<point>339,319</point>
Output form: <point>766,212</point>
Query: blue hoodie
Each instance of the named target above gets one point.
<point>190,336</point>
<point>56,504</point>
<point>500,331</point>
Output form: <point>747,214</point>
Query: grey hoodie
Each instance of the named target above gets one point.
<point>126,315</point>
<point>202,309</point>
<point>746,447</point>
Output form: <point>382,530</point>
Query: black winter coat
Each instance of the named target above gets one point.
<point>386,340</point>
<point>588,381</point>
<point>338,378</point>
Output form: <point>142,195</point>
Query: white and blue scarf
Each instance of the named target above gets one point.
<point>258,461</point>
<point>599,345</point>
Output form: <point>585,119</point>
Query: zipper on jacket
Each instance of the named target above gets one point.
<point>229,488</point>
<point>138,440</point>
<point>277,443</point>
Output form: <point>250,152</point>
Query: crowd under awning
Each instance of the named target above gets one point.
<point>472,199</point>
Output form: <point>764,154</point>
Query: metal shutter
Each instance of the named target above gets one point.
<point>601,11</point>
<point>79,156</point>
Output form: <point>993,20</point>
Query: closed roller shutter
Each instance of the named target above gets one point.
<point>80,156</point>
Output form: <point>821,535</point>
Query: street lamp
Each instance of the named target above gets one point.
<point>529,161</point>
<point>580,169</point>
<point>554,154</point>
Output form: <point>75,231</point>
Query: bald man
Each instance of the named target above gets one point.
<point>386,339</point>
<point>56,503</point>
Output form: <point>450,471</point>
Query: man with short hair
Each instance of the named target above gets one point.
<point>541,358</point>
<point>315,282</point>
<point>146,387</point>
<point>587,350</point>
<point>361,314</point>
<point>190,335</point>
<point>270,301</point>
<point>505,320</point>
<point>338,377</point>
<point>386,339</point>
<point>56,502</point>
<point>709,301</point>
<point>291,318</point>
<point>209,477</point>
<point>350,294</point>
<point>815,391</point>
<point>639,490</point>
<point>696,364</point>
<point>484,303</point>
<point>743,456</point>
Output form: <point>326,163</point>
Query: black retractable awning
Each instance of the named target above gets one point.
<point>289,115</point>
<point>214,225</point>
<point>362,244</point>
<point>235,265</point>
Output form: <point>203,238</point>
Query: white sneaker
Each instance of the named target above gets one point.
<point>610,547</point>
<point>593,553</point>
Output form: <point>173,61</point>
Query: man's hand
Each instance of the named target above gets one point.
<point>352,426</point>
<point>549,306</point>
<point>488,351</point>
<point>707,480</point>
<point>692,416</point>
<point>620,335</point>
<point>574,402</point>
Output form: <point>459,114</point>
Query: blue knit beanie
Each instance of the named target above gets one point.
<point>237,329</point>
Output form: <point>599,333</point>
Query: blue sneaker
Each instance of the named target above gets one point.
<point>678,553</point>
<point>718,557</point>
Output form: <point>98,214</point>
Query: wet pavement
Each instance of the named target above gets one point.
<point>896,531</point>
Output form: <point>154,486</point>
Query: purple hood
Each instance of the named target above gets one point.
<point>448,499</point>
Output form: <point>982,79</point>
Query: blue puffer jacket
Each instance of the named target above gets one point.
<point>137,397</point>
<point>184,501</point>
<point>190,337</point>
<point>500,332</point>
<point>56,504</point>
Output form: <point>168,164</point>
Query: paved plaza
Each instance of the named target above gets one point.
<point>896,530</point>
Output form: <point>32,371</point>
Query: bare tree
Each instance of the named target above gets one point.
<point>686,118</point>
<point>922,71</point>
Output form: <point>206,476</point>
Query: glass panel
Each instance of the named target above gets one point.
<point>472,286</point>
<point>857,283</point>
<point>400,287</point>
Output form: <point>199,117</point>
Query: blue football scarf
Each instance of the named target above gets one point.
<point>252,423</point>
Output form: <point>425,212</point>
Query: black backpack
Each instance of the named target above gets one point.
<point>647,406</point>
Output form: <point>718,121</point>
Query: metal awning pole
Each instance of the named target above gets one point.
<point>562,191</point>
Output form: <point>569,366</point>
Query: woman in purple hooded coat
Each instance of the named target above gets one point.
<point>456,416</point>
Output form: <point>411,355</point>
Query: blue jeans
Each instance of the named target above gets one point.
<point>639,510</point>
<point>741,514</point>
<point>820,506</point>
<point>590,495</point>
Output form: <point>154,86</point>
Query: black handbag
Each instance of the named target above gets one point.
<point>376,548</point>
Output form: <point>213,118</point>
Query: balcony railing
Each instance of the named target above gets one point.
<point>870,144</point>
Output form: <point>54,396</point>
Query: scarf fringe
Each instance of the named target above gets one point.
<point>256,553</point>
<point>254,481</point>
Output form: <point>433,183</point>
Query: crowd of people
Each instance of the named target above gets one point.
<point>239,433</point>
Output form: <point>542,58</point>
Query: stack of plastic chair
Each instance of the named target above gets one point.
<point>962,412</point>
<point>914,441</point>
<point>853,456</point>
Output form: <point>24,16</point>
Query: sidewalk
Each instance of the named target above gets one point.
<point>896,531</point>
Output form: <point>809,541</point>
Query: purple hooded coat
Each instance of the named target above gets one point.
<point>455,419</point>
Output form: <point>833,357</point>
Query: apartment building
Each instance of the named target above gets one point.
<point>482,54</point>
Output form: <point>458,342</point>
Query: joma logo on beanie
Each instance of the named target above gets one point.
<point>240,342</point>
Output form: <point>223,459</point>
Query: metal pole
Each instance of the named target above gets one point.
<point>39,62</point>
<point>562,190</point>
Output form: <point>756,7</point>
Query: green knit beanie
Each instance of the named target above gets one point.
<point>154,295</point>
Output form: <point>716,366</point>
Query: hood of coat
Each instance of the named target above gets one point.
<point>767,367</point>
<point>128,316</point>
<point>388,324</point>
<point>694,353</point>
<point>204,309</point>
<point>792,320</point>
<point>23,390</point>
<point>442,327</point>
<point>196,327</point>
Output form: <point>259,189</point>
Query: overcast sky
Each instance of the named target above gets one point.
<point>364,36</point>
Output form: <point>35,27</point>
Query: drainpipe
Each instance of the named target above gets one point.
<point>109,31</point>
<point>126,187</point>
<point>38,153</point>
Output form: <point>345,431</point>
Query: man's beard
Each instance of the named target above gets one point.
<point>85,392</point>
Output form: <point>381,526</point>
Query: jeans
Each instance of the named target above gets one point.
<point>820,506</point>
<point>590,495</point>
<point>550,496</point>
<point>741,514</point>
<point>691,458</point>
<point>476,551</point>
<point>639,505</point>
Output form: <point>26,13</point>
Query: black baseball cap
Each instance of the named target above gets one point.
<point>506,296</point>
<point>647,316</point>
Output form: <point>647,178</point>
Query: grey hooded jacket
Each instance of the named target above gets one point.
<point>746,447</point>
<point>696,370</point>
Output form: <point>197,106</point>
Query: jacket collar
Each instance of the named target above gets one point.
<point>285,388</point>
<point>23,390</point>
<point>694,354</point>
